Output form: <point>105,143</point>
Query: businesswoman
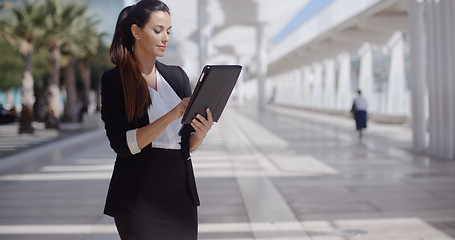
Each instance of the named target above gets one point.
<point>152,193</point>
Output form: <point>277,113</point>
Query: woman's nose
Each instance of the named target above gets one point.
<point>165,38</point>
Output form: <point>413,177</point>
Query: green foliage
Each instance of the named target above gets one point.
<point>11,65</point>
<point>100,63</point>
<point>41,68</point>
<point>41,24</point>
<point>6,21</point>
<point>29,20</point>
<point>81,39</point>
<point>59,20</point>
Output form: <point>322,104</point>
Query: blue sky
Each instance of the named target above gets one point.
<point>307,12</point>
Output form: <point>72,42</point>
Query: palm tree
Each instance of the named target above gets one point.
<point>24,31</point>
<point>99,64</point>
<point>70,110</point>
<point>5,26</point>
<point>81,42</point>
<point>89,46</point>
<point>70,49</point>
<point>58,24</point>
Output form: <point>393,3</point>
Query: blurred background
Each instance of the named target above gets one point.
<point>298,53</point>
<point>284,161</point>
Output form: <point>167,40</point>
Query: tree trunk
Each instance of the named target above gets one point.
<point>39,108</point>
<point>53,91</point>
<point>70,112</point>
<point>84,68</point>
<point>28,97</point>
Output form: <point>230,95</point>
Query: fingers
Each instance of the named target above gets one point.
<point>202,125</point>
<point>209,115</point>
<point>206,122</point>
<point>198,126</point>
<point>200,122</point>
<point>201,130</point>
<point>180,109</point>
<point>185,102</point>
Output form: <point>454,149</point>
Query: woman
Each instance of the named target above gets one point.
<point>359,110</point>
<point>152,193</point>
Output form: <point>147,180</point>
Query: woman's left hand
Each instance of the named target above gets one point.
<point>202,125</point>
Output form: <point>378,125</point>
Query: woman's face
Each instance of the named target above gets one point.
<point>154,37</point>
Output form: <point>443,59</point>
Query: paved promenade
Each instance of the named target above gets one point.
<point>282,174</point>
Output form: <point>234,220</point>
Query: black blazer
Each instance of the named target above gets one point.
<point>126,181</point>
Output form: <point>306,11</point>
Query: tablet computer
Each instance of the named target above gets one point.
<point>212,91</point>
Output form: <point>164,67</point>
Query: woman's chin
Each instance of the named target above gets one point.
<point>160,54</point>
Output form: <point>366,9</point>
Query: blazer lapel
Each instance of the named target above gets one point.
<point>172,78</point>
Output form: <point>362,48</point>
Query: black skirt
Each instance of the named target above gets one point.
<point>360,119</point>
<point>165,209</point>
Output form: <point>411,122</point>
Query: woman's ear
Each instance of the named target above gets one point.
<point>136,31</point>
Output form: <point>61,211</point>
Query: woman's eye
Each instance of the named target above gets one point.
<point>157,31</point>
<point>168,33</point>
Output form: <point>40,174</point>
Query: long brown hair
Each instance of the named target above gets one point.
<point>135,89</point>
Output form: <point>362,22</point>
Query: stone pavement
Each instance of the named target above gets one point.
<point>11,142</point>
<point>281,174</point>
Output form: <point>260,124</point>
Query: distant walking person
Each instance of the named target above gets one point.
<point>359,110</point>
<point>152,193</point>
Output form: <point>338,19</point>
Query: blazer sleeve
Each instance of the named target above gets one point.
<point>113,112</point>
<point>186,83</point>
<point>186,87</point>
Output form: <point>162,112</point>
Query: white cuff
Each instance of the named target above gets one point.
<point>132,142</point>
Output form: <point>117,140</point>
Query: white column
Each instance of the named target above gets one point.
<point>435,20</point>
<point>434,51</point>
<point>366,79</point>
<point>344,94</point>
<point>279,88</point>
<point>307,86</point>
<point>397,92</point>
<point>438,81</point>
<point>317,86</point>
<point>432,126</point>
<point>418,86</point>
<point>204,32</point>
<point>287,96</point>
<point>447,78</point>
<point>298,88</point>
<point>261,65</point>
<point>452,62</point>
<point>288,86</point>
<point>329,84</point>
<point>289,92</point>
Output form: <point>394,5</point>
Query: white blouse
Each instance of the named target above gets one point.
<point>164,99</point>
<point>360,103</point>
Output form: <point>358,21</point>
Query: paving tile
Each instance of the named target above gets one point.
<point>312,170</point>
<point>41,237</point>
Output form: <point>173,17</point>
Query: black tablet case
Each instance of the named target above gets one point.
<point>212,91</point>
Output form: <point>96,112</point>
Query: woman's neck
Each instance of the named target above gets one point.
<point>146,63</point>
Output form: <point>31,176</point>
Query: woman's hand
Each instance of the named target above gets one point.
<point>179,110</point>
<point>145,135</point>
<point>202,127</point>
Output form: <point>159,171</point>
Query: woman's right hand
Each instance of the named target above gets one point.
<point>179,110</point>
